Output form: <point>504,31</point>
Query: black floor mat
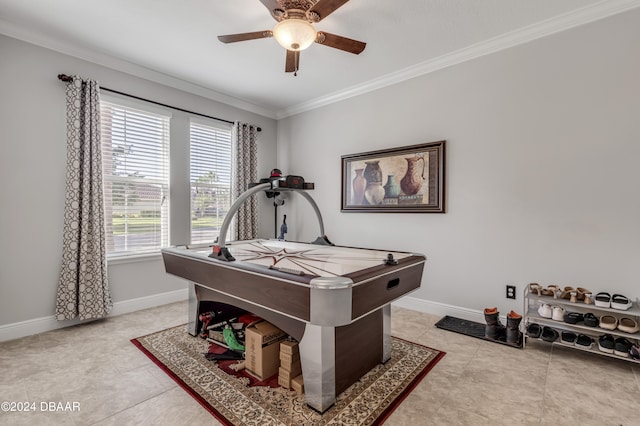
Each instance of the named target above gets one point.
<point>470,328</point>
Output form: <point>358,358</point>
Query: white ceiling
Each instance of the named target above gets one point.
<point>176,40</point>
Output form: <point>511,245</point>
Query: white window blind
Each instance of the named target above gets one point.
<point>135,158</point>
<point>210,176</point>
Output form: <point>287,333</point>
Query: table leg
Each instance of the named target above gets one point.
<point>386,333</point>
<point>192,325</point>
<point>317,353</point>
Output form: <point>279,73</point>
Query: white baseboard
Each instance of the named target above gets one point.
<point>147,302</point>
<point>440,309</point>
<point>40,325</point>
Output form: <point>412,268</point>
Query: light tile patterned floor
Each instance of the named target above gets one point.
<point>476,383</point>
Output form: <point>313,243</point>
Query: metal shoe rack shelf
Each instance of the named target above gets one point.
<point>532,301</point>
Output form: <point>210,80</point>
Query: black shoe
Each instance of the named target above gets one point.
<point>591,320</point>
<point>622,347</point>
<point>534,330</point>
<point>606,343</point>
<point>584,341</point>
<point>573,317</point>
<point>634,352</point>
<point>549,334</point>
<point>494,329</point>
<point>568,337</point>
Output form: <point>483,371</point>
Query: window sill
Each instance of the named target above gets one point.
<point>134,258</point>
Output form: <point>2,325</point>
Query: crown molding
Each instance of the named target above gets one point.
<point>127,67</point>
<point>585,15</point>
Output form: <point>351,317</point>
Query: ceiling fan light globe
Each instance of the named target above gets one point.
<point>294,34</point>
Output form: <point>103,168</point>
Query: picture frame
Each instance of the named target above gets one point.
<point>409,179</point>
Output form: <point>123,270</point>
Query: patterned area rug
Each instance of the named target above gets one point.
<point>233,400</point>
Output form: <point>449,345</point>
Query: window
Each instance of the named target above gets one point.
<point>210,177</point>
<point>135,162</point>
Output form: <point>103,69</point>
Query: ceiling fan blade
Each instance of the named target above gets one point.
<point>271,5</point>
<point>292,63</point>
<point>232,38</point>
<point>325,8</point>
<point>339,42</point>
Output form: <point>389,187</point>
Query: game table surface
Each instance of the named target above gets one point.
<point>305,258</point>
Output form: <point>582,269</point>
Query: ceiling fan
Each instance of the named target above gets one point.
<point>294,30</point>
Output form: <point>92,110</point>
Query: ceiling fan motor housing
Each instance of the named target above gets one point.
<point>294,31</point>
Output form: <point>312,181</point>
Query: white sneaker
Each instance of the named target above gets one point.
<point>545,311</point>
<point>558,313</point>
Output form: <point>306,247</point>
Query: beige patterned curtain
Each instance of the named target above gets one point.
<point>83,290</point>
<point>245,172</point>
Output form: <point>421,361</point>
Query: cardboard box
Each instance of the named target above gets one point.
<point>289,353</point>
<point>286,360</point>
<point>297,384</point>
<point>289,347</point>
<point>288,374</point>
<point>262,349</point>
<point>282,381</point>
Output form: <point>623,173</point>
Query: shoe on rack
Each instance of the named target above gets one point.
<point>545,311</point>
<point>568,337</point>
<point>558,313</point>
<point>535,288</point>
<point>606,343</point>
<point>584,341</point>
<point>581,293</point>
<point>634,352</point>
<point>549,334</point>
<point>628,325</point>
<point>588,298</point>
<point>573,317</point>
<point>534,330</point>
<point>620,302</point>
<point>603,300</point>
<point>591,320</point>
<point>566,292</point>
<point>608,322</point>
<point>622,347</point>
<point>551,290</point>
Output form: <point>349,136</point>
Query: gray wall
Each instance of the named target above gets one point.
<point>541,172</point>
<point>542,168</point>
<point>32,177</point>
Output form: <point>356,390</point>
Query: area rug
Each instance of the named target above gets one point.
<point>237,400</point>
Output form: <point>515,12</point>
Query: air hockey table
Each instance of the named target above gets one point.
<point>334,300</point>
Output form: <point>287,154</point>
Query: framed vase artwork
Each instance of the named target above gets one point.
<point>409,179</point>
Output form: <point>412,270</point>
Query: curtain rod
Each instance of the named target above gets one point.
<point>68,78</point>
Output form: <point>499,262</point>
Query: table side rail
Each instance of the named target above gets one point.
<point>290,298</point>
<point>376,292</point>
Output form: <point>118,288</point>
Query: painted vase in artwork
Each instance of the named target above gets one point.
<point>373,172</point>
<point>359,183</point>
<point>412,180</point>
<point>391,188</point>
<point>374,194</point>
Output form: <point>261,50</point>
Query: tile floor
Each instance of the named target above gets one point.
<point>476,383</point>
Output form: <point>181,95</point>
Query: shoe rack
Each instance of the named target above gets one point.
<point>532,302</point>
